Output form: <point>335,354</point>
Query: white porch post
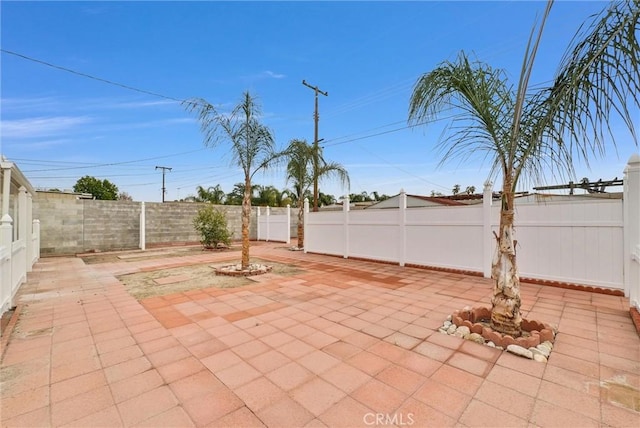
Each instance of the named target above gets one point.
<point>631,233</point>
<point>268,220</point>
<point>6,238</point>
<point>258,231</point>
<point>29,237</point>
<point>488,243</point>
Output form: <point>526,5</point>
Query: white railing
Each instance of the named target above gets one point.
<point>588,241</point>
<point>274,227</point>
<point>5,278</point>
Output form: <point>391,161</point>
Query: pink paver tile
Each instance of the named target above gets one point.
<point>77,385</point>
<point>136,385</point>
<point>570,399</point>
<point>200,383</point>
<point>471,364</point>
<point>174,417</point>
<point>482,352</point>
<point>295,349</point>
<point>127,369</point>
<point>207,348</point>
<point>82,405</point>
<point>277,339</point>
<point>522,365</point>
<point>416,413</point>
<point>259,394</point>
<point>445,340</point>
<point>319,339</point>
<point>237,375</point>
<point>585,368</point>
<point>506,399</point>
<point>618,416</point>
<point>318,361</point>
<point>342,350</point>
<point>507,377</point>
<point>221,360</point>
<point>180,369</point>
<point>445,399</point>
<point>458,379</point>
<point>285,413</point>
<point>35,418</point>
<point>361,340</point>
<point>479,414</point>
<point>289,376</point>
<point>108,418</point>
<point>404,380</point>
<point>242,417</point>
<point>317,395</point>
<point>547,414</point>
<point>269,361</point>
<point>402,340</point>
<point>572,380</point>
<point>24,402</point>
<point>147,405</point>
<point>346,377</point>
<point>75,368</point>
<point>115,344</point>
<point>434,351</point>
<point>419,364</point>
<point>158,344</point>
<point>369,363</point>
<point>379,397</point>
<point>250,349</point>
<point>120,355</point>
<point>347,413</point>
<point>207,408</point>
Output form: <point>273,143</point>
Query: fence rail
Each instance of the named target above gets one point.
<point>588,241</point>
<point>274,227</point>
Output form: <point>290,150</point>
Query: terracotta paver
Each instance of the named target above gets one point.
<point>340,343</point>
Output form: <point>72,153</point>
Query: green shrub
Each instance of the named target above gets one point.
<point>212,226</point>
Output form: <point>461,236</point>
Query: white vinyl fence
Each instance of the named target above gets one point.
<point>19,233</point>
<point>587,241</point>
<point>274,227</point>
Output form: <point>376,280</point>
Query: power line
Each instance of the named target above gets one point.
<point>89,76</point>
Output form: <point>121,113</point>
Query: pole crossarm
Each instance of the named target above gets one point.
<point>164,170</point>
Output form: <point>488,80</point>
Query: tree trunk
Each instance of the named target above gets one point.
<point>246,218</point>
<point>301,226</point>
<point>505,311</point>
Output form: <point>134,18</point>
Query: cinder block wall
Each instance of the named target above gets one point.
<point>70,226</point>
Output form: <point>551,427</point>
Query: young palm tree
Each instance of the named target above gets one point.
<point>300,171</point>
<point>252,146</point>
<point>528,133</point>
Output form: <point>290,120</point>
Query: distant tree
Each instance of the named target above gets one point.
<point>325,199</point>
<point>456,189</point>
<point>252,146</point>
<point>267,196</point>
<point>436,194</point>
<point>237,194</point>
<point>124,196</point>
<point>470,190</point>
<point>212,194</point>
<point>100,189</point>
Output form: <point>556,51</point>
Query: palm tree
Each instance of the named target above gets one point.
<point>530,132</point>
<point>302,159</point>
<point>252,146</point>
<point>212,194</point>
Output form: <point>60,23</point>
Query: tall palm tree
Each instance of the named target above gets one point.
<point>252,146</point>
<point>302,159</point>
<point>527,132</point>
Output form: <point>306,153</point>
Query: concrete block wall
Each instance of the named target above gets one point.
<point>69,225</point>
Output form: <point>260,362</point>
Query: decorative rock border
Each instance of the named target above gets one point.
<point>473,324</point>
<point>236,270</point>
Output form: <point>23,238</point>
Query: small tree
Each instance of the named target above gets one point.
<point>212,226</point>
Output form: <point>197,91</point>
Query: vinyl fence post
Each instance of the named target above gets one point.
<point>268,220</point>
<point>305,220</point>
<point>631,239</point>
<point>345,210</point>
<point>487,236</point>
<point>288,224</point>
<point>143,227</point>
<point>402,225</point>
<point>258,231</point>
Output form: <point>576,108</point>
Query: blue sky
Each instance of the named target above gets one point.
<point>59,126</point>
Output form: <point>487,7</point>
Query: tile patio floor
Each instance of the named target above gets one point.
<point>336,345</point>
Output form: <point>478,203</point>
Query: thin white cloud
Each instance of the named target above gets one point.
<point>270,73</point>
<point>37,127</point>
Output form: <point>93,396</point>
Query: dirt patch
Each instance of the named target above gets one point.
<point>137,255</point>
<point>185,278</point>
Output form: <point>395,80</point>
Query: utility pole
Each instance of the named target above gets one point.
<point>164,169</point>
<point>316,152</point>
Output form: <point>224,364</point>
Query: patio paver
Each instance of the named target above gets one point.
<point>340,343</point>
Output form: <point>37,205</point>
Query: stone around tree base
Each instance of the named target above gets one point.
<point>473,324</point>
<point>236,270</point>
